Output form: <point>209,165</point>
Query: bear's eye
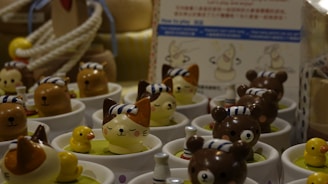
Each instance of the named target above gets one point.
<point>12,80</point>
<point>232,133</point>
<point>247,136</point>
<point>205,177</point>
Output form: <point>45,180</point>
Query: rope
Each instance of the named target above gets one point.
<point>13,6</point>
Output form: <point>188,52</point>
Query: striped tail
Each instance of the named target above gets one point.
<point>238,110</point>
<point>157,88</point>
<point>91,65</point>
<point>123,108</point>
<point>218,144</point>
<point>11,99</point>
<point>269,74</point>
<point>256,91</point>
<point>54,80</point>
<point>178,72</point>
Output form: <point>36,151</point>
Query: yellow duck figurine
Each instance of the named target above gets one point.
<point>80,140</point>
<point>69,168</point>
<point>317,178</point>
<point>314,154</point>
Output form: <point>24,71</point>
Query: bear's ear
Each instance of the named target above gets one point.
<point>270,96</point>
<point>165,70</point>
<point>142,85</point>
<point>106,105</point>
<point>281,76</point>
<point>256,110</point>
<point>251,75</point>
<point>241,90</point>
<point>81,63</point>
<point>240,150</point>
<point>219,114</point>
<point>195,143</point>
<point>104,63</point>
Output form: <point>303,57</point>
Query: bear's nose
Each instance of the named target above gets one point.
<point>121,130</point>
<point>44,98</point>
<point>11,119</point>
<point>86,82</point>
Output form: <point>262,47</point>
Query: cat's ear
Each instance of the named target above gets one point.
<point>142,85</point>
<point>142,117</point>
<point>169,83</point>
<point>108,103</point>
<point>194,74</point>
<point>165,70</point>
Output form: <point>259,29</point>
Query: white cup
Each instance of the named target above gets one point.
<point>96,102</point>
<point>125,167</point>
<point>262,172</point>
<point>66,122</point>
<point>192,111</point>
<point>181,173</point>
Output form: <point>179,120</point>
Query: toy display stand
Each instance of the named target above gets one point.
<point>61,46</point>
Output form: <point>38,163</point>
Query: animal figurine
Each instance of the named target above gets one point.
<point>30,160</point>
<point>125,126</point>
<point>185,82</point>
<point>162,101</point>
<point>237,123</point>
<point>314,153</point>
<point>92,79</point>
<point>69,168</point>
<point>266,99</point>
<point>317,178</point>
<point>51,96</point>
<point>217,161</point>
<point>12,117</point>
<point>80,139</point>
<point>15,74</point>
<point>269,80</point>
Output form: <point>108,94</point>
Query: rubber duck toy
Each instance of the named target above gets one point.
<point>317,178</point>
<point>69,170</point>
<point>80,139</point>
<point>314,154</point>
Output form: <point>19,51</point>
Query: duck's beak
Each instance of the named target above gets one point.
<point>324,148</point>
<point>90,136</point>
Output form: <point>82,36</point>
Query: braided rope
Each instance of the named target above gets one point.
<point>14,6</point>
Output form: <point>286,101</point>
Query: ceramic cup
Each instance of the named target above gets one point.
<point>125,167</point>
<point>31,127</point>
<point>300,181</point>
<point>66,122</point>
<point>181,173</point>
<point>164,133</point>
<point>278,139</point>
<point>291,171</point>
<point>94,103</point>
<point>262,172</point>
<point>95,171</point>
<point>191,111</point>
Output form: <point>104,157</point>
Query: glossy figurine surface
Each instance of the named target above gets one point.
<point>18,43</point>
<point>125,126</point>
<point>314,153</point>
<point>237,123</point>
<point>30,160</point>
<point>92,79</point>
<point>162,101</point>
<point>266,99</point>
<point>217,161</point>
<point>51,97</point>
<point>317,178</point>
<point>15,74</point>
<point>268,80</point>
<point>69,168</point>
<point>80,140</point>
<point>185,82</point>
<point>13,122</point>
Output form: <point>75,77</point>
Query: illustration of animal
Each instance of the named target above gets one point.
<point>80,139</point>
<point>269,80</point>
<point>266,99</point>
<point>15,74</point>
<point>69,168</point>
<point>51,96</point>
<point>185,82</point>
<point>125,126</point>
<point>12,117</point>
<point>314,153</point>
<point>162,101</point>
<point>237,123</point>
<point>30,160</point>
<point>317,178</point>
<point>92,79</point>
<point>217,161</point>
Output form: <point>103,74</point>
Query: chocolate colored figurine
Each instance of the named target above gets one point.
<point>268,80</point>
<point>266,99</point>
<point>162,101</point>
<point>51,96</point>
<point>125,126</point>
<point>185,82</point>
<point>217,161</point>
<point>30,161</point>
<point>80,139</point>
<point>92,79</point>
<point>237,123</point>
<point>15,74</point>
<point>315,152</point>
<point>12,118</point>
